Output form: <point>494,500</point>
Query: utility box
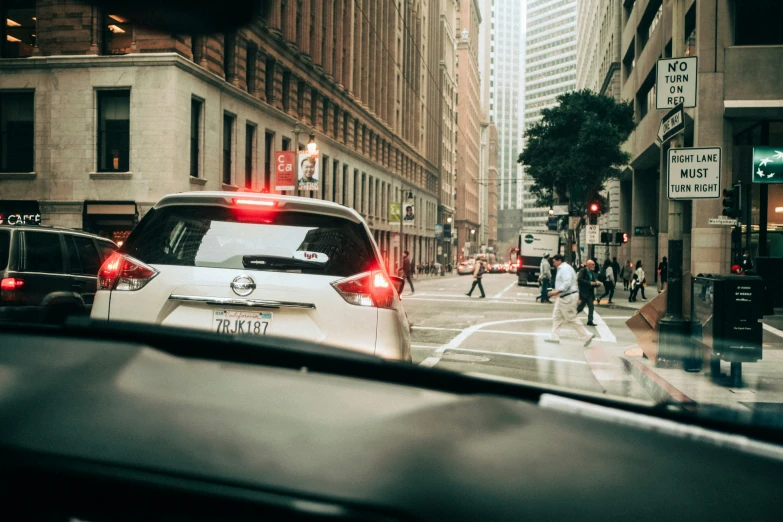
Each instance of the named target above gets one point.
<point>726,311</point>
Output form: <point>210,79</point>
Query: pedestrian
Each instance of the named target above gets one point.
<point>634,286</point>
<point>627,274</point>
<point>564,311</point>
<point>587,281</point>
<point>406,270</point>
<point>744,261</point>
<point>641,277</point>
<point>478,271</point>
<point>544,279</point>
<point>609,281</point>
<point>663,273</point>
<point>616,270</point>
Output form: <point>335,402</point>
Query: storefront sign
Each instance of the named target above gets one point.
<point>675,82</point>
<point>19,212</point>
<point>694,173</point>
<point>285,177</point>
<point>768,164</point>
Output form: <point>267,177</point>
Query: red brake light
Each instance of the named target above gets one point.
<point>254,202</point>
<point>121,272</point>
<point>367,289</point>
<point>11,284</point>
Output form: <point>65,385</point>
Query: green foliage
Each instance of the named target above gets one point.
<point>576,147</point>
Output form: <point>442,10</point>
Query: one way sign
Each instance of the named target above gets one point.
<point>671,124</point>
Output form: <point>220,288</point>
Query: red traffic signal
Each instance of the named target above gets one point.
<point>594,207</point>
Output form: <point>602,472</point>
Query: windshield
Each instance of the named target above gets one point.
<point>555,192</point>
<point>224,238</point>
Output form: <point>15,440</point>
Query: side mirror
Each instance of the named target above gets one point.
<point>399,283</point>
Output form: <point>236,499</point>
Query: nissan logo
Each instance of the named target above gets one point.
<point>243,285</point>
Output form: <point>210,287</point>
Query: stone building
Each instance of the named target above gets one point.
<point>102,117</point>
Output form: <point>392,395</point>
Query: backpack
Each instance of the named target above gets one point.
<point>482,269</point>
<point>602,274</point>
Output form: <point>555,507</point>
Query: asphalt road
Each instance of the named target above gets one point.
<point>503,335</point>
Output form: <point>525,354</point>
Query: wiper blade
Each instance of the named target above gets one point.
<point>277,263</point>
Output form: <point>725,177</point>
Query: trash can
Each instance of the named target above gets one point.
<point>726,311</point>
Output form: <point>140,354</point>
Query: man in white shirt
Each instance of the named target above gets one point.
<point>545,277</point>
<point>567,292</point>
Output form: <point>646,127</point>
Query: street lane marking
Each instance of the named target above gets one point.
<point>436,328</point>
<point>525,356</point>
<point>602,328</point>
<point>772,329</point>
<point>499,294</point>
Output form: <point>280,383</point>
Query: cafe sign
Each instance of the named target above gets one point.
<point>19,212</point>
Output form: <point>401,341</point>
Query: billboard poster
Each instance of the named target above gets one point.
<point>394,212</point>
<point>409,214</point>
<point>285,177</point>
<point>309,164</point>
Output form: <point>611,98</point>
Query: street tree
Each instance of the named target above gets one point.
<point>575,149</point>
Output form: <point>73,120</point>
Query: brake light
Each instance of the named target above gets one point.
<point>254,202</point>
<point>11,284</point>
<point>367,289</point>
<point>121,272</point>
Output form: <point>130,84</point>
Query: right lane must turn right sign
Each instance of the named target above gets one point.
<point>694,173</point>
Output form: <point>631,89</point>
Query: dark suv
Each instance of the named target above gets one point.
<point>48,273</point>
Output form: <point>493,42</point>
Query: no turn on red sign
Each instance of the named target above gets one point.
<point>675,82</point>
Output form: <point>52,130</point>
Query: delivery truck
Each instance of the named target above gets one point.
<point>532,246</point>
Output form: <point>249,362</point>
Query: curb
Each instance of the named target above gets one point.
<point>658,387</point>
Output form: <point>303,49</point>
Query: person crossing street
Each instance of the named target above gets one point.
<point>478,271</point>
<point>406,269</point>
<point>545,278</point>
<point>566,289</point>
<point>587,281</point>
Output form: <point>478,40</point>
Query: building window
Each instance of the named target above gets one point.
<point>252,65</point>
<point>286,90</point>
<point>355,189</point>
<point>313,107</point>
<point>324,176</point>
<point>196,107</point>
<point>17,135</point>
<point>19,39</point>
<point>113,131</point>
<point>269,149</point>
<point>229,47</point>
<point>228,146</point>
<point>117,35</point>
<point>269,80</point>
<point>344,186</point>
<point>335,172</point>
<point>250,152</point>
<point>326,115</point>
<point>758,23</point>
<point>286,144</point>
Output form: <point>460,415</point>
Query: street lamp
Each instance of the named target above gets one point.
<point>551,212</point>
<point>402,205</point>
<point>448,220</point>
<point>311,146</point>
<point>472,238</point>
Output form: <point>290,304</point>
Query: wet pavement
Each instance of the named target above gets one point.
<point>504,335</point>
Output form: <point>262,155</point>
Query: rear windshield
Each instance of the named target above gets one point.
<point>252,240</point>
<point>5,248</point>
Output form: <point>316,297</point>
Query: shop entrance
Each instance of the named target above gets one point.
<point>110,219</point>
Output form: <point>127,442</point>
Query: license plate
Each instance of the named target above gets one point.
<point>234,322</point>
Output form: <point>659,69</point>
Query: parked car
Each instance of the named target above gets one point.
<point>257,264</point>
<point>48,274</point>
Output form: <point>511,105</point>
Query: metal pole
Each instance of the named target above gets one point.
<point>402,202</point>
<point>297,130</point>
<point>674,330</point>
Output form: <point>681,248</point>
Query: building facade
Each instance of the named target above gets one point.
<point>550,70</point>
<point>448,153</point>
<point>598,42</point>
<point>106,117</point>
<point>739,106</point>
<point>468,128</point>
<point>503,92</point>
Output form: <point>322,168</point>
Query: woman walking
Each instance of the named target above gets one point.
<point>641,278</point>
<point>609,280</point>
<point>627,274</point>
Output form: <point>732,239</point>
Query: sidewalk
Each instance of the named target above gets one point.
<point>620,299</point>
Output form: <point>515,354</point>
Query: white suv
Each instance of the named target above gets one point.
<point>257,264</point>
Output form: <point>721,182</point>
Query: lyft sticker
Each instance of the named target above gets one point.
<point>315,257</point>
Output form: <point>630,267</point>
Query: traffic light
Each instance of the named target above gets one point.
<point>621,237</point>
<point>594,209</point>
<point>732,201</point>
<point>606,237</point>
